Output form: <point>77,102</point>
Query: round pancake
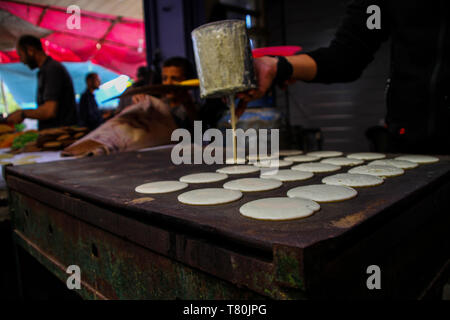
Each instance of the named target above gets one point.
<point>301,158</point>
<point>204,177</point>
<point>255,158</point>
<point>325,154</point>
<point>252,184</point>
<point>353,180</point>
<point>323,193</point>
<point>402,164</point>
<point>279,208</point>
<point>238,161</point>
<point>239,169</point>
<point>316,167</point>
<point>343,161</point>
<point>366,156</point>
<point>418,158</point>
<point>287,175</point>
<point>288,153</point>
<point>161,187</point>
<point>273,163</point>
<point>379,171</point>
<point>209,196</point>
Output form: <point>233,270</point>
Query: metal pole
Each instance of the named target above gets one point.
<point>151,31</point>
<point>5,102</point>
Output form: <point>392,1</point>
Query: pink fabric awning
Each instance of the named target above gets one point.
<point>116,43</point>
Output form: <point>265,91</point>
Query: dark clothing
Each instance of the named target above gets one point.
<point>180,117</point>
<point>89,114</point>
<point>418,88</point>
<point>211,111</point>
<point>55,84</point>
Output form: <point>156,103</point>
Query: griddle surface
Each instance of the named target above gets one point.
<point>109,181</point>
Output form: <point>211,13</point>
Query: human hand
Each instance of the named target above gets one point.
<point>139,97</point>
<point>265,71</point>
<point>15,117</point>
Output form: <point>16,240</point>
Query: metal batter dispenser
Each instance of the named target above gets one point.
<point>223,58</point>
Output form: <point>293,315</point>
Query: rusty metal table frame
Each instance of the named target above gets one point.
<point>130,249</point>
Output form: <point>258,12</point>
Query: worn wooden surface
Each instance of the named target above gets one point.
<point>393,225</point>
<point>110,181</point>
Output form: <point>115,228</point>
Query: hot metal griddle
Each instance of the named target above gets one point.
<point>324,255</point>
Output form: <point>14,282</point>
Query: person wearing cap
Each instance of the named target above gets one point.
<point>418,88</point>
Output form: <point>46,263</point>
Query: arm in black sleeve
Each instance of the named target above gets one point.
<point>354,45</point>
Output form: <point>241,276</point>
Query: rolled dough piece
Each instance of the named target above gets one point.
<point>252,184</point>
<point>301,158</point>
<point>204,177</point>
<point>402,164</point>
<point>239,169</point>
<point>287,175</point>
<point>6,156</point>
<point>379,171</point>
<point>325,154</point>
<point>353,180</point>
<point>209,196</point>
<point>279,208</point>
<point>418,158</point>
<point>366,156</point>
<point>316,167</point>
<point>323,193</point>
<point>273,163</point>
<point>161,187</point>
<point>288,153</point>
<point>343,161</point>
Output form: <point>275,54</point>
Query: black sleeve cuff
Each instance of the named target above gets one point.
<point>284,70</point>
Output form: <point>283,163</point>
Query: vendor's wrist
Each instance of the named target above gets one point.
<point>284,70</point>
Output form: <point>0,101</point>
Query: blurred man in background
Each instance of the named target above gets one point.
<point>89,114</point>
<point>181,103</point>
<point>144,76</point>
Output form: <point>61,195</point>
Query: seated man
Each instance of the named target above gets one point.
<point>181,103</point>
<point>89,114</point>
<point>148,122</point>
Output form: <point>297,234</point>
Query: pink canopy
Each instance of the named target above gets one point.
<point>113,42</point>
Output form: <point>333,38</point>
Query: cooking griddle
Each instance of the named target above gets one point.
<point>109,182</point>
